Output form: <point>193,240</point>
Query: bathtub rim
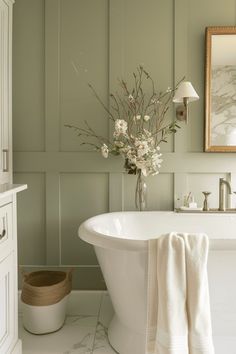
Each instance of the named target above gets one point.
<point>89,235</point>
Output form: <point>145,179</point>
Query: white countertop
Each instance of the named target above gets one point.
<point>7,189</point>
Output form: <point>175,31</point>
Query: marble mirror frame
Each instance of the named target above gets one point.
<point>220,89</point>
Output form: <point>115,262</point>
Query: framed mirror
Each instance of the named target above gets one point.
<point>220,89</point>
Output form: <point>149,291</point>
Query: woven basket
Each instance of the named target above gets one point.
<point>44,297</point>
<point>43,288</point>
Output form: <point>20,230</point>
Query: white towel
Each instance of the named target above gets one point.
<point>179,319</point>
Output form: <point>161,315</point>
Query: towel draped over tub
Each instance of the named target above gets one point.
<point>179,320</point>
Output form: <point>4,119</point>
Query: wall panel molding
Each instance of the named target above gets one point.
<point>180,62</point>
<point>52,78</point>
<point>116,191</point>
<point>93,162</point>
<point>136,32</point>
<point>53,215</point>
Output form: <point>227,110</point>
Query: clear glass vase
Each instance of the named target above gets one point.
<point>141,192</point>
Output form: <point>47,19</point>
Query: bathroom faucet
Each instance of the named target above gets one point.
<point>222,193</point>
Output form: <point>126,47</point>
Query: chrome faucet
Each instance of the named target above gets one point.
<point>222,193</point>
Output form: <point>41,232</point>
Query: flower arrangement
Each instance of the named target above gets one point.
<point>139,125</point>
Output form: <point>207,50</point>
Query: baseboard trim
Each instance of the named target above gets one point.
<point>80,302</point>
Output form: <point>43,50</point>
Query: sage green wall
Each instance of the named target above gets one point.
<point>58,47</point>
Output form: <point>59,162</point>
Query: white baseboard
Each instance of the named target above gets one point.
<point>80,302</point>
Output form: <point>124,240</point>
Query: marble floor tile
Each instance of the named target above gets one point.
<point>87,334</point>
<point>101,343</point>
<point>75,337</point>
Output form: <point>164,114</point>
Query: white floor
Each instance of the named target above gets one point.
<point>85,329</point>
<point>81,333</point>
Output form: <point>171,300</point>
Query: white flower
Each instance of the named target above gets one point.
<point>120,127</point>
<point>147,132</point>
<point>105,151</point>
<point>157,160</point>
<point>155,173</point>
<point>155,100</point>
<point>119,144</point>
<point>142,147</point>
<point>169,89</point>
<point>138,117</point>
<point>129,152</point>
<point>146,118</point>
<point>126,149</point>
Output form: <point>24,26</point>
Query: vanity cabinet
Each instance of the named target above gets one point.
<point>8,322</point>
<point>9,342</point>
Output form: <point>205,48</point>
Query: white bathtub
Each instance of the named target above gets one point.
<point>120,242</point>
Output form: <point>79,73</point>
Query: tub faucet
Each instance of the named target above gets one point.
<point>222,193</point>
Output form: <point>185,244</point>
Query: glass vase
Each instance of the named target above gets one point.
<point>141,192</point>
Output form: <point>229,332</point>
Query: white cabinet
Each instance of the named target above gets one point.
<point>8,332</point>
<point>9,342</point>
<point>6,233</point>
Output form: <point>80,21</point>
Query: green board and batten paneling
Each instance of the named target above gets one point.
<point>58,47</point>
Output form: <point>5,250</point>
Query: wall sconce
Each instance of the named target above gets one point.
<point>185,93</point>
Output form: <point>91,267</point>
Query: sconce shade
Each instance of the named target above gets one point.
<point>186,90</point>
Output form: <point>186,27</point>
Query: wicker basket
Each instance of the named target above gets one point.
<point>44,298</point>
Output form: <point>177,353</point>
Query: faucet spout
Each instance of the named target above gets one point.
<point>223,184</point>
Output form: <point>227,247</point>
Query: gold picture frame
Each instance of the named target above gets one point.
<point>220,86</point>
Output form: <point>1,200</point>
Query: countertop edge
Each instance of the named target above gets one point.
<point>9,189</point>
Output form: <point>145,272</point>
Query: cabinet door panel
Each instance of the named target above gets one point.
<point>6,232</point>
<point>7,304</point>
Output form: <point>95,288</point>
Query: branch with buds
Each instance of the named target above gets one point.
<point>140,124</point>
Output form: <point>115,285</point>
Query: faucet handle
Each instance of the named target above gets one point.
<point>208,193</point>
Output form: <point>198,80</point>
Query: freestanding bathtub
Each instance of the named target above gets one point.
<point>120,240</point>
